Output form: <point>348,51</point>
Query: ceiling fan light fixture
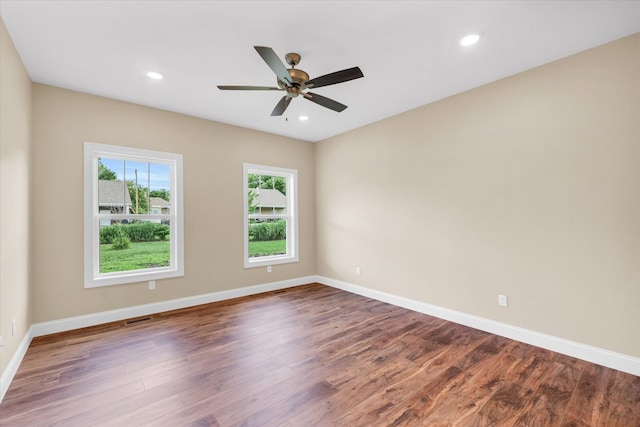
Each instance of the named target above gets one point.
<point>154,75</point>
<point>470,39</point>
<point>303,118</point>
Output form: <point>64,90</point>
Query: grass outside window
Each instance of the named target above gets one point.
<point>139,255</point>
<point>267,248</point>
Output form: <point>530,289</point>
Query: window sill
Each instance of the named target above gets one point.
<point>265,261</point>
<point>121,279</point>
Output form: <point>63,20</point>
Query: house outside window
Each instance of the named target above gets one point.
<point>270,215</point>
<point>113,198</point>
<point>158,206</point>
<point>132,215</point>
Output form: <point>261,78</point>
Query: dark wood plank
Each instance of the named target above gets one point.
<point>307,356</point>
<point>591,400</point>
<point>549,403</point>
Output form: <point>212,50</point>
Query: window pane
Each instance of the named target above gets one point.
<point>134,245</point>
<point>113,197</point>
<point>267,238</point>
<point>137,177</point>
<point>133,187</point>
<point>159,188</point>
<point>267,194</point>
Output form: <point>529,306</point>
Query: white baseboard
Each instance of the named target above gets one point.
<point>610,359</point>
<point>14,364</point>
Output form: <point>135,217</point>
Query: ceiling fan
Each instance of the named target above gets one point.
<point>295,82</point>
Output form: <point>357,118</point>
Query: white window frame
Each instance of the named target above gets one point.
<point>92,276</point>
<point>291,215</point>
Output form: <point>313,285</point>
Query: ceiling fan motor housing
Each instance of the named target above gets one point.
<point>298,77</point>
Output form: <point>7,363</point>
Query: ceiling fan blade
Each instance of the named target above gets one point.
<point>222,87</point>
<point>275,64</point>
<point>281,106</point>
<point>325,102</point>
<point>333,78</point>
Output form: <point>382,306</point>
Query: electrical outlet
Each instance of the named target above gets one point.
<point>358,271</point>
<point>13,327</point>
<point>502,300</point>
<point>268,269</point>
<point>152,285</point>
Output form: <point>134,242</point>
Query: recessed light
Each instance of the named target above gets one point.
<point>303,118</point>
<point>470,39</point>
<point>154,75</point>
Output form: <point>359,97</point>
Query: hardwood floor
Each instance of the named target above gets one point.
<point>307,356</point>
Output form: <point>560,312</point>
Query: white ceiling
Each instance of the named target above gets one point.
<point>407,50</point>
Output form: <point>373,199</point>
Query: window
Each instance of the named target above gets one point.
<point>133,226</point>
<point>270,215</point>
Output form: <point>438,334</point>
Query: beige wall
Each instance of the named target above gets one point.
<point>213,157</point>
<point>529,187</point>
<point>15,207</point>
